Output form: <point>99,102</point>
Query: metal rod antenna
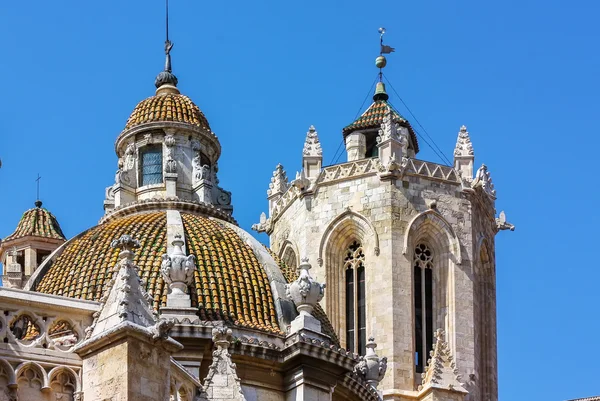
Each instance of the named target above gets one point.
<point>38,186</point>
<point>167,16</point>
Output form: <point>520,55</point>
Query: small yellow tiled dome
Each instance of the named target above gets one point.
<point>173,107</point>
<point>37,222</point>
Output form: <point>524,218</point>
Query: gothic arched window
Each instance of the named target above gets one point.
<point>356,319</point>
<point>423,301</point>
<point>289,258</point>
<point>152,165</point>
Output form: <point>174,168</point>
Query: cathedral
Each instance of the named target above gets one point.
<point>167,298</point>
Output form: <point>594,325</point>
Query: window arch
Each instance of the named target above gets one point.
<point>151,167</point>
<point>423,262</point>
<point>289,257</point>
<point>356,319</point>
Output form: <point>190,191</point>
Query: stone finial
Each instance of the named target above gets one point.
<point>464,147</point>
<point>279,182</point>
<point>305,292</point>
<point>221,336</point>
<point>177,269</point>
<point>371,367</point>
<point>312,146</point>
<point>483,179</point>
<point>222,381</point>
<point>441,371</point>
<point>389,129</point>
<point>464,156</point>
<point>502,224</point>
<point>126,243</point>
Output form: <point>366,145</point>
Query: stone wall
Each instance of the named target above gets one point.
<point>389,217</point>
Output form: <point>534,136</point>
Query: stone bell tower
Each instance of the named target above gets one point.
<point>406,248</point>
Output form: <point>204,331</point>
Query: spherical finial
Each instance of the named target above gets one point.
<point>380,62</point>
<point>381,30</point>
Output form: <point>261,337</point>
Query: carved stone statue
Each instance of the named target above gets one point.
<point>204,173</point>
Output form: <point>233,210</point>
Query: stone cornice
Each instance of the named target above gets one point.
<point>168,204</point>
<point>122,331</point>
<point>46,301</point>
<point>363,168</point>
<point>208,135</point>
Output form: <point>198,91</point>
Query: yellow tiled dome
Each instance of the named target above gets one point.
<point>167,107</point>
<point>229,283</point>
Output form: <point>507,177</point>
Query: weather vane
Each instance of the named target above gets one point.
<point>381,61</point>
<point>168,43</point>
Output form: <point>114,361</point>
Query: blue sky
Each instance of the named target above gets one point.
<point>522,75</point>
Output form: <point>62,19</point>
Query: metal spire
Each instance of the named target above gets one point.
<point>166,78</point>
<point>38,202</point>
<point>381,62</point>
<point>168,43</point>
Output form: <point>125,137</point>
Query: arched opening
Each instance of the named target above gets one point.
<point>423,261</point>
<point>350,234</point>
<point>7,378</point>
<point>356,313</point>
<point>63,384</point>
<point>433,249</point>
<point>289,257</point>
<point>30,381</point>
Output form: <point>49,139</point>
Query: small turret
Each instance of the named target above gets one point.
<point>37,235</point>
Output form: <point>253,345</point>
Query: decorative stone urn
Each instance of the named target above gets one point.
<point>305,292</point>
<point>177,270</point>
<point>371,367</point>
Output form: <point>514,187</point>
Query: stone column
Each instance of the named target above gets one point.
<point>30,261</point>
<point>171,184</point>
<point>356,146</point>
<point>203,190</point>
<point>308,383</point>
<point>123,195</point>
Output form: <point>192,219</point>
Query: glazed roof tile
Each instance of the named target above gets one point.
<point>167,107</point>
<point>38,222</point>
<point>229,283</point>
